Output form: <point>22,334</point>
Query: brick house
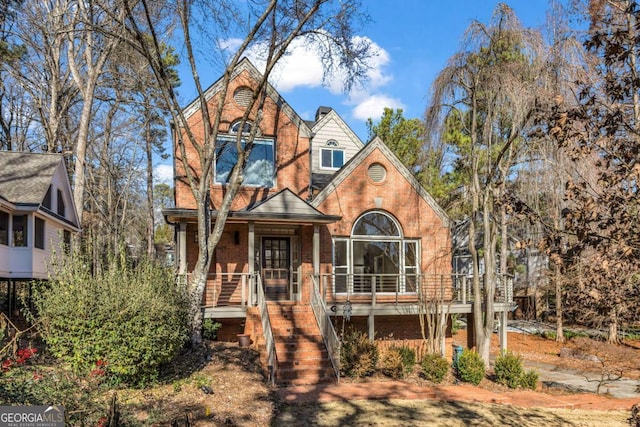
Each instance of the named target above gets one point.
<point>325,232</point>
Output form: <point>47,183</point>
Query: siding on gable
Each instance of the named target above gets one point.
<point>332,130</point>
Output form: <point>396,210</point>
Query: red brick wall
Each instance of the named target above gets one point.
<point>404,327</point>
<point>357,194</point>
<point>292,151</point>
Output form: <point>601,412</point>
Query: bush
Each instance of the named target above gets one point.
<point>391,363</point>
<point>470,367</point>
<point>508,369</point>
<point>397,362</point>
<point>120,323</point>
<point>408,358</point>
<point>529,380</point>
<point>358,355</point>
<point>434,368</point>
<point>210,329</point>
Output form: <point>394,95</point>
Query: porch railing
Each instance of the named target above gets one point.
<point>329,334</point>
<point>270,343</point>
<point>455,288</point>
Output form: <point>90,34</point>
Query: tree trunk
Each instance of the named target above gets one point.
<point>612,336</point>
<point>150,206</point>
<point>559,320</point>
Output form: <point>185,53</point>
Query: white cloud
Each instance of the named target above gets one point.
<point>373,106</point>
<point>163,174</point>
<point>302,67</point>
<point>230,44</point>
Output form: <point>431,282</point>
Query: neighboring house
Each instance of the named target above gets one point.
<point>325,231</point>
<point>526,275</point>
<point>37,215</point>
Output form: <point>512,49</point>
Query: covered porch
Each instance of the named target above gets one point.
<point>274,244</point>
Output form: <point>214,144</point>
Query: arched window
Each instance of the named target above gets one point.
<point>376,255</point>
<point>376,224</point>
<point>246,129</point>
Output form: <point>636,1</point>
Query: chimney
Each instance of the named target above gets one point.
<point>321,112</point>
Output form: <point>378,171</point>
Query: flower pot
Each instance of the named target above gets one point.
<point>244,340</point>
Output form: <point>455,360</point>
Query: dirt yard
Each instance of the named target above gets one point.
<point>223,386</point>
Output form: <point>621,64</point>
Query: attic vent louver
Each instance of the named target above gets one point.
<point>377,173</point>
<point>243,96</point>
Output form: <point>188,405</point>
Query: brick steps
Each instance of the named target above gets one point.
<point>301,353</point>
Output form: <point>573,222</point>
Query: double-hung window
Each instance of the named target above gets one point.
<point>38,231</point>
<point>331,157</point>
<point>20,230</point>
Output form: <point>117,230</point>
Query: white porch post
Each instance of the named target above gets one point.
<point>252,262</point>
<point>182,247</point>
<point>503,331</point>
<point>316,250</point>
<point>371,322</point>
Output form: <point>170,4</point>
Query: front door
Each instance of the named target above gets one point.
<point>276,263</point>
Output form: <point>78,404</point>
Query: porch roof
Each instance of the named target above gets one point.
<point>283,206</point>
<point>174,215</point>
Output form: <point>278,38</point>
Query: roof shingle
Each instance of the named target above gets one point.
<point>25,177</point>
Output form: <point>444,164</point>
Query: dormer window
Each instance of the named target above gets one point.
<point>331,156</point>
<point>259,171</point>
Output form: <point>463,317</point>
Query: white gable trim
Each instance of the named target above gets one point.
<point>62,177</point>
<point>332,115</point>
<point>348,169</point>
<point>246,65</point>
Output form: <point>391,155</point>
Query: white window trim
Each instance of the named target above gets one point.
<point>331,148</point>
<point>257,140</point>
<point>402,242</point>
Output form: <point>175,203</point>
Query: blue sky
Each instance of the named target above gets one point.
<point>415,40</point>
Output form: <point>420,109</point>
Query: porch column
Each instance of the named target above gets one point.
<point>503,331</point>
<point>316,250</point>
<point>252,262</point>
<point>371,322</point>
<point>182,247</point>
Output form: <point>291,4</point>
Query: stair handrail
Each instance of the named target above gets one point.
<point>329,335</point>
<point>270,344</point>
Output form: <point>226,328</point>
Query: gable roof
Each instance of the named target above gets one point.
<point>356,160</point>
<point>25,177</point>
<point>286,203</point>
<point>246,66</point>
<point>331,115</point>
<point>283,206</point>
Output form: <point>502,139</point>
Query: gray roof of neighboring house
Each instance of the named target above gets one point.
<point>25,177</point>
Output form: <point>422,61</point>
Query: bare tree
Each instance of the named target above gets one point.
<point>87,53</point>
<point>271,26</point>
<point>603,132</point>
<point>491,89</point>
